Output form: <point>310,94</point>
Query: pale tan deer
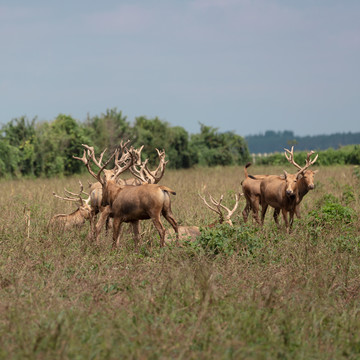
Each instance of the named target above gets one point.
<point>140,169</point>
<point>75,219</point>
<point>133,203</point>
<point>306,183</point>
<point>251,190</point>
<point>191,232</point>
<point>282,193</point>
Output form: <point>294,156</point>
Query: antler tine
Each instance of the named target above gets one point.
<point>308,160</point>
<point>76,196</point>
<point>308,163</point>
<point>91,153</point>
<point>290,152</point>
<point>291,157</point>
<point>231,212</point>
<point>84,159</point>
<point>217,209</point>
<point>209,206</point>
<point>158,173</point>
<point>141,174</point>
<point>136,153</point>
<point>67,198</point>
<point>217,204</point>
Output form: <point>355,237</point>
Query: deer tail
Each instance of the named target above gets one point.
<point>245,169</point>
<point>165,188</point>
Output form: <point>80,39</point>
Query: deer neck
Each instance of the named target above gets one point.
<point>302,188</point>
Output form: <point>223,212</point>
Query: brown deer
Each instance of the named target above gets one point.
<point>251,191</point>
<point>191,232</point>
<point>133,203</point>
<point>306,183</point>
<point>140,170</point>
<point>282,193</point>
<point>76,218</point>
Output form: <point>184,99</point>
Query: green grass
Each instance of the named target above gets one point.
<point>258,294</point>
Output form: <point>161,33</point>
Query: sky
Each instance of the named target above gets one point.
<point>237,65</point>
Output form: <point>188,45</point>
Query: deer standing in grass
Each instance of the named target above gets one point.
<point>306,182</point>
<point>283,194</point>
<point>251,191</point>
<point>140,169</point>
<point>132,203</point>
<point>76,218</point>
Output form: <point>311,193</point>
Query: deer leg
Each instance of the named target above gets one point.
<point>136,230</point>
<point>263,212</point>
<point>284,212</point>
<point>297,211</point>
<point>160,228</point>
<point>276,214</point>
<point>102,219</point>
<point>255,209</point>
<point>116,232</point>
<point>92,233</point>
<point>170,218</point>
<point>291,220</point>
<point>245,212</point>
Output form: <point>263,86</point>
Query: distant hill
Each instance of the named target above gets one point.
<point>273,141</point>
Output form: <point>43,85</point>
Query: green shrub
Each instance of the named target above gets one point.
<point>330,213</point>
<point>228,240</point>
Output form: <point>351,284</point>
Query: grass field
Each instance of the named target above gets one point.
<point>242,293</point>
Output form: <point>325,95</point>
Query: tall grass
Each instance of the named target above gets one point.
<point>256,293</point>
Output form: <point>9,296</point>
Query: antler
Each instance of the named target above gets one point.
<point>290,158</point>
<point>309,162</point>
<point>220,206</point>
<point>142,171</point>
<point>70,196</point>
<point>91,154</point>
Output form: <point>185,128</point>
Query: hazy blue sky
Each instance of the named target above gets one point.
<point>242,65</point>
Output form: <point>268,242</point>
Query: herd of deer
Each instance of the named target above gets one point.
<point>141,197</point>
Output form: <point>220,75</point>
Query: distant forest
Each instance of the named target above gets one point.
<point>273,141</point>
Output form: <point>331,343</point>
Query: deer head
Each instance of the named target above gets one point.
<point>82,204</point>
<point>304,172</point>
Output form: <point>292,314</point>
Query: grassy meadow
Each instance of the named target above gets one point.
<point>241,293</point>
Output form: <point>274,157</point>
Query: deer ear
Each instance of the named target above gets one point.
<point>285,174</point>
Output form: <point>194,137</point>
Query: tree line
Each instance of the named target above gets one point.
<point>272,141</point>
<point>35,149</point>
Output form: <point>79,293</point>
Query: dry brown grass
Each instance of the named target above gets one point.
<point>292,296</point>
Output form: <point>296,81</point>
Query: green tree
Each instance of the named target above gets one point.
<point>154,133</point>
<point>20,134</point>
<point>212,148</point>
<point>107,130</point>
<point>58,142</point>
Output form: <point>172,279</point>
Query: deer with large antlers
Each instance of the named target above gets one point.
<point>96,188</point>
<point>132,203</point>
<point>76,218</point>
<point>191,232</point>
<point>140,170</point>
<point>282,193</point>
<point>306,183</point>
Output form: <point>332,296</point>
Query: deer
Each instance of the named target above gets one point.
<point>282,193</point>
<point>251,191</point>
<point>191,232</point>
<point>306,183</point>
<point>140,169</point>
<point>78,217</point>
<point>130,204</point>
